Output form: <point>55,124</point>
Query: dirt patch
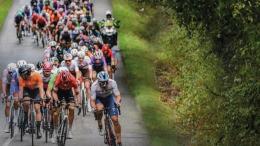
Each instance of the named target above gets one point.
<point>165,71</point>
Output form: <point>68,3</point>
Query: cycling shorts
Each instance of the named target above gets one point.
<point>18,19</point>
<point>108,102</point>
<point>32,93</point>
<point>65,94</point>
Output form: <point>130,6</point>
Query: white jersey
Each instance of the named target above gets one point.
<point>97,91</point>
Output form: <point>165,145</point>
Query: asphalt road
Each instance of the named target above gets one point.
<point>85,129</point>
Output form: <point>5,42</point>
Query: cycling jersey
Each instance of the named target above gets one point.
<point>84,66</point>
<point>10,81</point>
<point>52,80</point>
<point>108,54</point>
<point>68,85</point>
<point>41,22</point>
<point>106,96</point>
<point>73,67</point>
<point>45,81</point>
<point>98,64</point>
<point>49,53</point>
<point>34,81</point>
<point>97,91</point>
<point>35,17</point>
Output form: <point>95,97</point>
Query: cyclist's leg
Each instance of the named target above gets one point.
<point>99,112</point>
<point>114,116</point>
<point>87,86</point>
<point>7,113</point>
<point>37,108</point>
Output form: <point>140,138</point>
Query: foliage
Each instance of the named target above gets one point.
<point>220,99</point>
<point>4,8</point>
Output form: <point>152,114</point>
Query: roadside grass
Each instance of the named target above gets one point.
<point>139,63</point>
<point>4,8</point>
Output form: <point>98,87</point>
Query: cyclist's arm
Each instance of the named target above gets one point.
<point>116,93</point>
<point>4,79</point>
<point>21,86</point>
<point>50,85</point>
<point>93,96</point>
<point>40,86</point>
<point>14,87</point>
<point>105,63</point>
<point>55,89</point>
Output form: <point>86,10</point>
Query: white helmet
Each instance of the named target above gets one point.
<point>11,67</point>
<point>67,56</point>
<point>32,66</point>
<point>74,52</point>
<point>52,43</point>
<point>108,12</point>
<point>20,63</point>
<point>84,48</point>
<point>81,54</point>
<point>62,69</point>
<point>98,54</point>
<point>74,45</point>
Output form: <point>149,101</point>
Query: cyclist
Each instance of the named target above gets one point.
<point>64,86</point>
<point>19,21</point>
<point>46,74</point>
<point>41,22</point>
<point>110,59</point>
<point>10,88</point>
<point>105,94</point>
<point>98,63</point>
<point>31,86</point>
<point>71,65</point>
<point>85,67</point>
<point>50,51</point>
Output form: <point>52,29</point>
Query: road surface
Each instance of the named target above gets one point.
<point>85,129</point>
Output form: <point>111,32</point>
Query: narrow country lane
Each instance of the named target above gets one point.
<point>85,129</point>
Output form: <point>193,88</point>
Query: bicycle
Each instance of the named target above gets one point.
<point>109,135</point>
<point>19,33</point>
<point>84,104</point>
<point>32,120</point>
<point>11,122</point>
<point>46,119</point>
<point>21,124</point>
<point>64,123</point>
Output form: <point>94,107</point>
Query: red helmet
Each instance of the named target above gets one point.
<point>105,47</point>
<point>47,66</point>
<point>65,75</point>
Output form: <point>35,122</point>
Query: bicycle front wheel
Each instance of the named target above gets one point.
<point>12,123</point>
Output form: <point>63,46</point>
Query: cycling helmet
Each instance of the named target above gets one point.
<point>20,63</point>
<point>54,59</point>
<point>108,13</point>
<point>84,20</point>
<point>74,52</point>
<point>65,75</point>
<point>11,67</point>
<point>81,54</point>
<point>52,43</point>
<point>74,45</point>
<point>32,66</point>
<point>25,70</point>
<point>84,48</point>
<point>47,67</point>
<point>61,69</point>
<point>102,78</point>
<point>67,56</point>
<point>98,54</point>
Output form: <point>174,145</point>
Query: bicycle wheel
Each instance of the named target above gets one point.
<point>32,127</point>
<point>64,131</point>
<point>84,108</point>
<point>21,123</point>
<point>12,122</point>
<point>46,125</point>
<point>111,135</point>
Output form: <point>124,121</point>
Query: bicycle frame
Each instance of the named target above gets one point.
<point>11,123</point>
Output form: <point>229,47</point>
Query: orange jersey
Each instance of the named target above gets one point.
<point>33,82</point>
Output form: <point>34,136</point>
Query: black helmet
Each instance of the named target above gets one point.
<point>25,70</point>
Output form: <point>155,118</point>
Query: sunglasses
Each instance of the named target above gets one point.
<point>103,84</point>
<point>67,60</point>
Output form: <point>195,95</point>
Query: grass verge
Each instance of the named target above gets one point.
<point>4,9</point>
<point>139,62</point>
